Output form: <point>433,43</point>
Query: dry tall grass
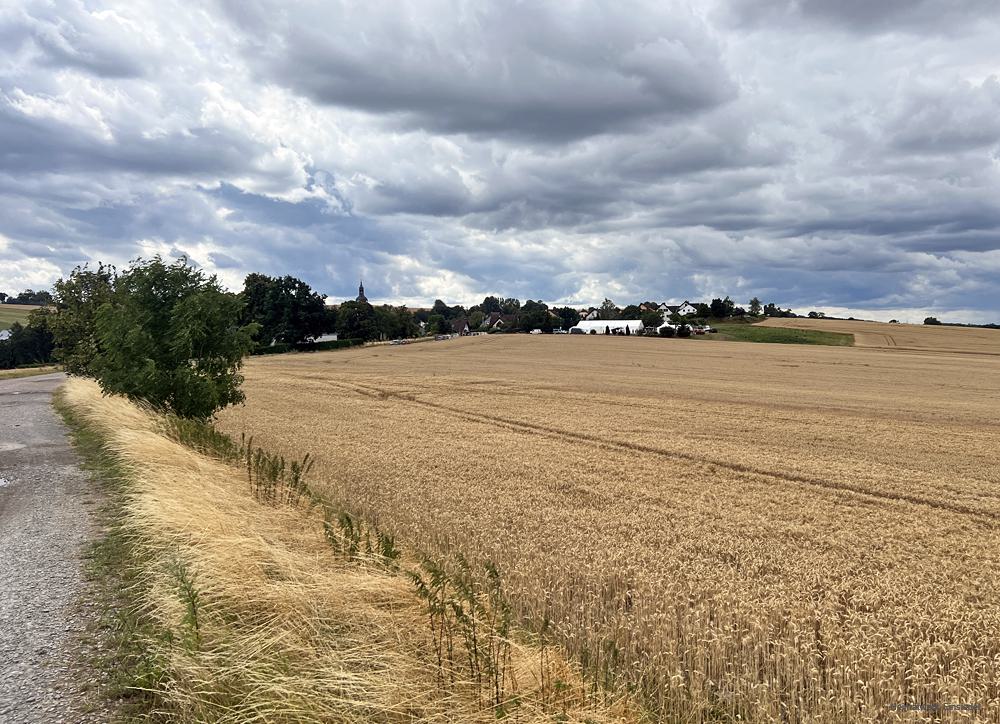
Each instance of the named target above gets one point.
<point>256,619</point>
<point>756,531</point>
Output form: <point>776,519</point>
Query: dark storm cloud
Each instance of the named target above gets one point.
<point>930,16</point>
<point>547,71</point>
<point>33,145</point>
<point>947,120</point>
<point>837,154</point>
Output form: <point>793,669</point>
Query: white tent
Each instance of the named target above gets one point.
<point>604,326</point>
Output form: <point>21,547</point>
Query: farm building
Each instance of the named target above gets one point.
<point>610,326</point>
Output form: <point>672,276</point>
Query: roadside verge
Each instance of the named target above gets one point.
<point>240,599</point>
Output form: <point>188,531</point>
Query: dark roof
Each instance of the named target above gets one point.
<point>459,325</point>
<point>505,320</point>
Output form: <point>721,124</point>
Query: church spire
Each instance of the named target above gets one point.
<point>361,291</point>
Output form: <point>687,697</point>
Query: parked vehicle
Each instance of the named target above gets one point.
<point>535,331</point>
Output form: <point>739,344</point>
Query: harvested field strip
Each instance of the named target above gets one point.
<point>250,613</point>
<point>932,339</point>
<point>577,437</point>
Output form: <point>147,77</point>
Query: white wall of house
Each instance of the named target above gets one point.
<point>600,325</point>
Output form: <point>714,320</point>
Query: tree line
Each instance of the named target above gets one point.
<point>28,296</point>
<point>171,336</point>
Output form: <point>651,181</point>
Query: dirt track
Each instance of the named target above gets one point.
<point>45,522</point>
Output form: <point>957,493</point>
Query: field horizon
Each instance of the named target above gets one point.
<point>732,529</point>
<point>10,313</point>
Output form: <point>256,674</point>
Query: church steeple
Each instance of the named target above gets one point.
<point>361,291</point>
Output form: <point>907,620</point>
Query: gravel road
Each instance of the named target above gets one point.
<point>46,517</point>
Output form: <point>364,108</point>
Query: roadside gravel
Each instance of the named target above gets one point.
<point>47,515</point>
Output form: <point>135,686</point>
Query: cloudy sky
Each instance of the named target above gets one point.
<point>841,155</point>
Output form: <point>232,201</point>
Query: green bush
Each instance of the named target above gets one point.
<point>684,331</point>
<point>169,336</point>
<point>278,348</point>
<point>667,331</point>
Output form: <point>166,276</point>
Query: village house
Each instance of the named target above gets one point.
<point>499,321</point>
<point>684,310</point>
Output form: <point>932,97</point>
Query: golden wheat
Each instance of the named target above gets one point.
<point>255,618</point>
<point>759,531</point>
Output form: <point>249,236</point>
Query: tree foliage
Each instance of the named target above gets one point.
<point>29,296</point>
<point>722,308</point>
<point>28,344</point>
<point>285,309</point>
<point>356,320</point>
<point>568,316</point>
<point>608,310</point>
<point>169,336</point>
<point>74,324</point>
<point>534,315</point>
<point>652,318</point>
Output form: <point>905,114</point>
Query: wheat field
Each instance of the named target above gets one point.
<point>246,613</point>
<point>732,531</point>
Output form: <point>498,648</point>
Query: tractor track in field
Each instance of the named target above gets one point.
<point>986,517</point>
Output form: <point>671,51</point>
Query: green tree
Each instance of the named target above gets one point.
<point>171,336</point>
<point>722,308</point>
<point>534,315</point>
<point>652,318</point>
<point>30,343</point>
<point>285,309</point>
<point>476,318</point>
<point>437,324</point>
<point>932,320</point>
<point>568,316</point>
<point>29,296</point>
<point>755,307</point>
<point>632,311</point>
<point>608,310</point>
<point>356,320</point>
<point>74,322</point>
<point>491,305</point>
<point>509,305</point>
<point>395,322</point>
